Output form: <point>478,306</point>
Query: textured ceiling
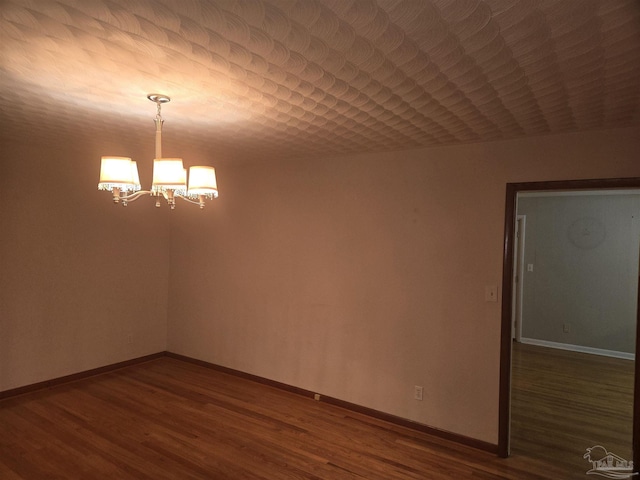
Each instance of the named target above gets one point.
<point>274,78</point>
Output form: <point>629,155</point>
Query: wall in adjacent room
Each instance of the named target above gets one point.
<point>361,276</point>
<point>83,282</point>
<point>582,287</point>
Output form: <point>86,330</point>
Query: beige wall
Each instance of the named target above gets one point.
<point>359,277</point>
<point>83,283</point>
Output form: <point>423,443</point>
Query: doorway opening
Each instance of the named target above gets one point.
<point>509,331</point>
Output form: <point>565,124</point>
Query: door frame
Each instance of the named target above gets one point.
<point>512,190</point>
<point>518,275</point>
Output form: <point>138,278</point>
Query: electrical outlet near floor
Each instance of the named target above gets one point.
<point>418,392</point>
<point>566,328</point>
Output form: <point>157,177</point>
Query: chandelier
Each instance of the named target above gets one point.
<point>119,175</point>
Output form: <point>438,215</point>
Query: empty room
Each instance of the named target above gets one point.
<point>276,239</point>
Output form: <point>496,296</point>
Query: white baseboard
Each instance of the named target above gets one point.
<point>578,348</point>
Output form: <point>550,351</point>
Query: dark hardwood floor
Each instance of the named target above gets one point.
<point>169,419</point>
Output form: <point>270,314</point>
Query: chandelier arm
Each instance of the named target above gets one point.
<point>200,201</point>
<point>134,196</point>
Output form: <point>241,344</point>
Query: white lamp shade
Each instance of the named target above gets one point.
<point>168,173</point>
<point>134,174</point>
<point>118,172</point>
<point>202,181</point>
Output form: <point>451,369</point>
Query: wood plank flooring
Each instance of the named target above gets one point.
<point>169,419</point>
<point>565,402</point>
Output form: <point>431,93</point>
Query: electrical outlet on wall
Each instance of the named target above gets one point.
<point>418,392</point>
<point>566,327</point>
<point>491,293</point>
